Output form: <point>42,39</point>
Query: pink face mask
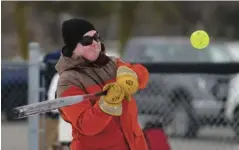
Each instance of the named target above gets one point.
<point>90,52</point>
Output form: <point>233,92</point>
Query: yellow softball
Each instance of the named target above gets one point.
<point>199,39</point>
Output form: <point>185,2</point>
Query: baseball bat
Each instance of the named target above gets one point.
<point>46,106</point>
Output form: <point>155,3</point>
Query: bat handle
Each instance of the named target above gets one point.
<point>105,92</point>
<point>101,93</point>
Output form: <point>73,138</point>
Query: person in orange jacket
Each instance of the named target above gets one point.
<point>108,122</point>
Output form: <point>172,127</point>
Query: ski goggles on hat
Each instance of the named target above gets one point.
<point>88,40</point>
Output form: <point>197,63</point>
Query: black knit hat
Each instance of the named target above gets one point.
<point>74,29</point>
<point>72,32</point>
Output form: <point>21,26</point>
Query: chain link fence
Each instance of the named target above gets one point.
<point>14,86</point>
<point>196,110</point>
<point>192,109</point>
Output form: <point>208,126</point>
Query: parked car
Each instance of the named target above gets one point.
<point>200,96</point>
<point>14,86</point>
<point>14,82</point>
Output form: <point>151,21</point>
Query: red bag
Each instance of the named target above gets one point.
<point>156,139</point>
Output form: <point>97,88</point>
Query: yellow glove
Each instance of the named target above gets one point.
<point>128,79</point>
<point>111,103</point>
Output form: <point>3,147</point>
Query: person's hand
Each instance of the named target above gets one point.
<point>111,103</point>
<point>128,79</point>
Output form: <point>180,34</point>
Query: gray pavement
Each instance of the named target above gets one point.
<point>208,139</point>
<point>15,136</point>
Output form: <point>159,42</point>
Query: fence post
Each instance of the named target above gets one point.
<point>33,93</point>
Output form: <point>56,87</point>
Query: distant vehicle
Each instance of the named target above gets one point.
<point>14,82</point>
<point>201,97</point>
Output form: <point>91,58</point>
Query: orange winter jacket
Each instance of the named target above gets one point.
<point>92,129</point>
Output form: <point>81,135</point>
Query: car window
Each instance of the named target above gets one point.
<point>170,52</point>
<point>175,53</point>
<point>219,55</point>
